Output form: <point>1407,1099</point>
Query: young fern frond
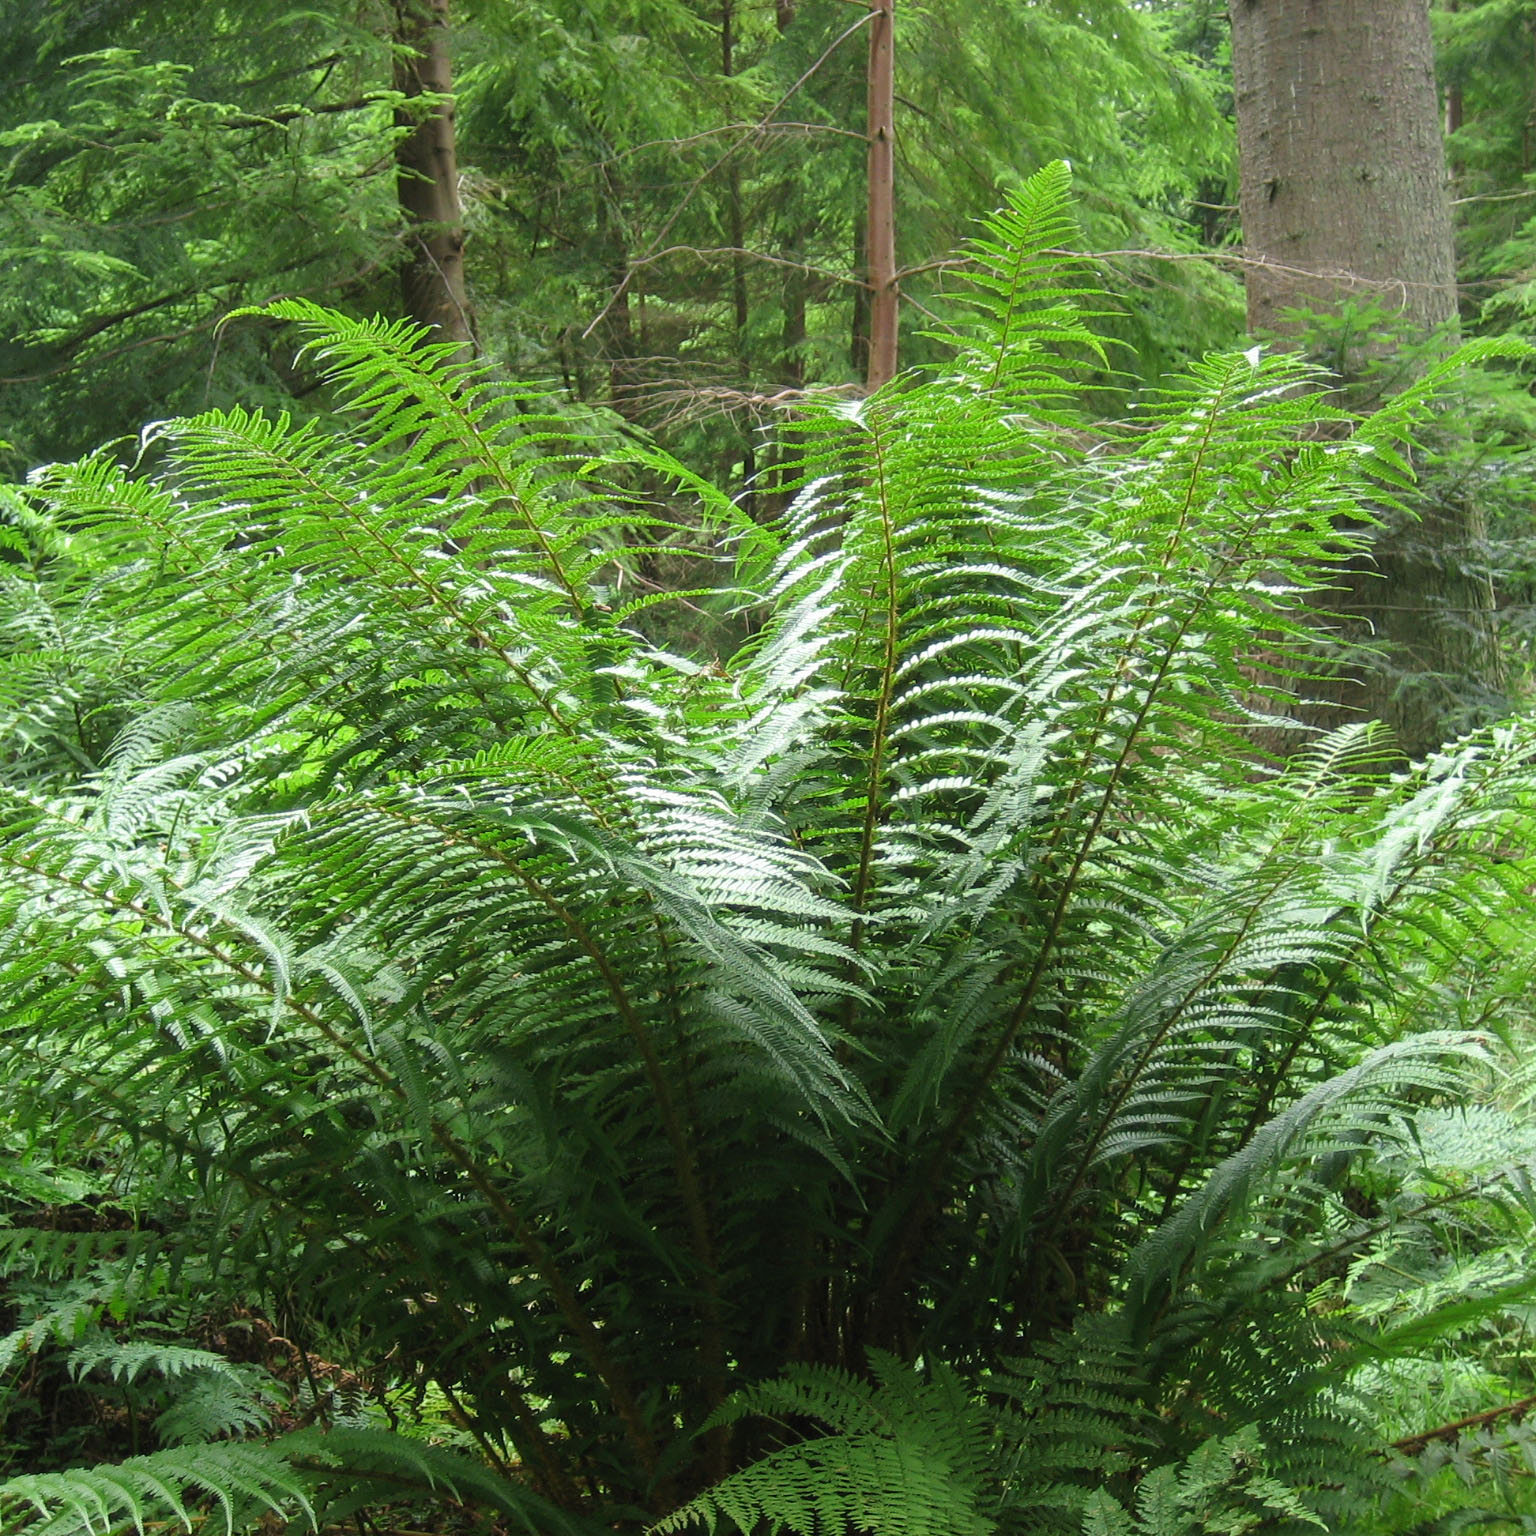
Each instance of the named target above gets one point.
<point>1030,295</point>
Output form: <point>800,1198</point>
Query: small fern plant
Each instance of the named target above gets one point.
<point>901,1455</point>
<point>579,1034</point>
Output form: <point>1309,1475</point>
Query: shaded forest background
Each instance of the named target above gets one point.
<point>662,204</point>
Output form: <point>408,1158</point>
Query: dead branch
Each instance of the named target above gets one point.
<point>1413,1445</point>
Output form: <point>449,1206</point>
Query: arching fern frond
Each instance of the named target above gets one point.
<point>904,1454</point>
<point>220,1487</point>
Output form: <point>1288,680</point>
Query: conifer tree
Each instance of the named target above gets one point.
<point>1345,214</point>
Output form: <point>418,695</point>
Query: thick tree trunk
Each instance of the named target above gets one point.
<point>1343,167</point>
<point>880,229</point>
<point>432,279</point>
<point>1344,199</point>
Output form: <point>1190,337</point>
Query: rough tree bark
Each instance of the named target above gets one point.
<point>432,280</point>
<point>880,227</point>
<point>1343,167</point>
<point>1344,197</point>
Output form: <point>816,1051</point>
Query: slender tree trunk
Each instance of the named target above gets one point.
<point>858,336</point>
<point>795,232</point>
<point>737,231</point>
<point>1344,198</point>
<point>1525,145</point>
<point>618,331</point>
<point>796,284</point>
<point>792,345</point>
<point>1454,105</point>
<point>880,225</point>
<point>432,280</point>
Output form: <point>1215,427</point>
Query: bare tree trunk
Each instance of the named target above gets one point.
<point>790,369</point>
<point>1343,166</point>
<point>1454,103</point>
<point>618,341</point>
<point>795,276</point>
<point>880,229</point>
<point>1525,143</point>
<point>432,280</point>
<point>736,223</point>
<point>1344,198</point>
<point>793,335</point>
<point>858,333</point>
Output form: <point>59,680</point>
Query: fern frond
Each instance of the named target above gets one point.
<point>219,1486</point>
<point>906,1456</point>
<point>356,1468</point>
<point>1432,1063</point>
<point>1030,293</point>
<point>1220,1487</point>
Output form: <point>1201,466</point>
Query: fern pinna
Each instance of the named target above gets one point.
<point>937,1001</point>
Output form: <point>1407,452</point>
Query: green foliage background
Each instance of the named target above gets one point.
<point>164,164</point>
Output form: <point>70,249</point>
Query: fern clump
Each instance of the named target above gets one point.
<point>911,1074</point>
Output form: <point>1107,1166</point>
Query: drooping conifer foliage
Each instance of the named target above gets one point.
<point>913,1074</point>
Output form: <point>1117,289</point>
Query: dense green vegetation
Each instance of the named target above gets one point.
<point>692,945</point>
<point>922,1066</point>
<point>164,164</point>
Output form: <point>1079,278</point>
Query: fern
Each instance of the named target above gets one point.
<point>243,1481</point>
<point>1220,1488</point>
<point>938,997</point>
<point>906,1456</point>
<point>323,1477</point>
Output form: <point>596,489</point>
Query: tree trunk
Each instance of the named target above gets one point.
<point>1454,103</point>
<point>1344,199</point>
<point>880,229</point>
<point>1525,147</point>
<point>617,339</point>
<point>858,336</point>
<point>1343,168</point>
<point>790,369</point>
<point>432,279</point>
<point>741,311</point>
